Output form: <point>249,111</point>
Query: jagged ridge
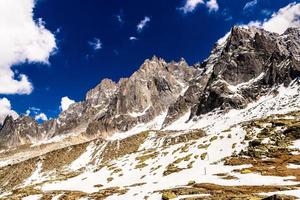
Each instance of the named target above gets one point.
<point>245,67</point>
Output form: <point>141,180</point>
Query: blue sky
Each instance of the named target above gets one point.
<point>93,42</point>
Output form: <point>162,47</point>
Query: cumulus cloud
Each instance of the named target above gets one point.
<point>65,103</point>
<point>140,27</point>
<point>5,110</point>
<point>249,5</point>
<point>190,5</point>
<point>212,5</point>
<point>288,16</point>
<point>96,44</point>
<point>22,40</point>
<point>41,116</point>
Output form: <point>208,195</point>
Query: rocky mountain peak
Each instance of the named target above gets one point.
<point>244,66</point>
<point>23,129</point>
<point>251,62</point>
<point>152,65</point>
<point>247,51</point>
<point>106,88</point>
<point>8,124</point>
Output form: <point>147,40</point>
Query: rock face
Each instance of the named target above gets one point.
<point>244,67</point>
<point>247,65</point>
<point>144,96</point>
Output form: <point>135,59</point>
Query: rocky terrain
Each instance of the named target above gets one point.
<point>224,129</point>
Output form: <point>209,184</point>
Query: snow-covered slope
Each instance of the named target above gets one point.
<point>180,158</point>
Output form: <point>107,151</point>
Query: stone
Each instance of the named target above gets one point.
<point>168,195</point>
<point>274,197</point>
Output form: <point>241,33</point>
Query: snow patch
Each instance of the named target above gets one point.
<point>155,124</point>
<point>84,158</point>
<point>296,144</point>
<point>287,100</point>
<point>36,175</point>
<point>33,197</point>
<point>138,114</point>
<point>293,166</point>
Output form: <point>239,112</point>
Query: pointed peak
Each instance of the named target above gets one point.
<point>107,82</point>
<point>8,118</point>
<point>154,58</point>
<point>7,121</point>
<point>238,34</point>
<point>182,60</point>
<point>182,63</point>
<point>241,28</point>
<point>153,63</point>
<point>292,30</point>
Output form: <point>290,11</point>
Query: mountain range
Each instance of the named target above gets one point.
<point>227,128</point>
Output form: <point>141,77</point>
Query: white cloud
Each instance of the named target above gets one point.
<point>22,40</point>
<point>33,110</point>
<point>58,30</point>
<point>41,116</point>
<point>190,5</point>
<point>132,38</point>
<point>36,112</point>
<point>5,110</point>
<point>250,5</point>
<point>143,23</point>
<point>96,44</point>
<point>120,19</point>
<point>212,5</point>
<point>65,103</point>
<point>266,12</point>
<point>27,112</point>
<point>286,17</point>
